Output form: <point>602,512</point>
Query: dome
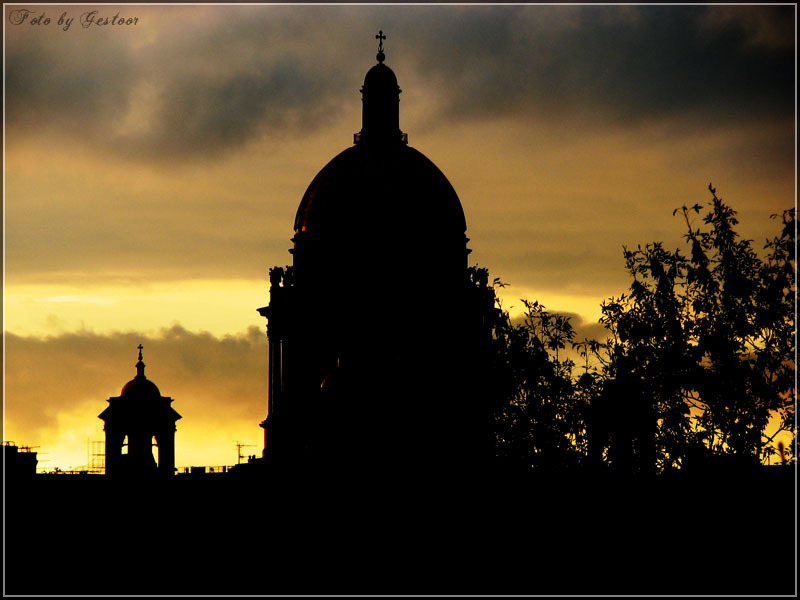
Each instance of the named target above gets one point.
<point>360,191</point>
<point>381,78</point>
<point>379,191</point>
<point>381,211</point>
<point>140,388</point>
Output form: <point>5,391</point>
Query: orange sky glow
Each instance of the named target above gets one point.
<point>152,173</point>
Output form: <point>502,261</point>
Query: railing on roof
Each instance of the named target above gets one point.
<point>214,470</point>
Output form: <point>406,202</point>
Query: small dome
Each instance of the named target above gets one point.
<point>140,387</point>
<point>380,78</point>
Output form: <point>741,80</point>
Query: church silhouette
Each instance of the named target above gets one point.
<point>377,474</point>
<point>133,420</point>
<point>376,334</point>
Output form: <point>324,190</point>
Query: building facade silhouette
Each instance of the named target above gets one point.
<point>136,421</point>
<point>377,337</point>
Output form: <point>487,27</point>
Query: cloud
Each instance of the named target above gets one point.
<point>759,29</point>
<point>218,385</point>
<point>564,129</point>
<point>208,80</point>
<point>204,82</point>
<point>609,63</point>
<point>77,89</point>
<point>56,386</point>
<point>209,115</point>
<point>583,329</point>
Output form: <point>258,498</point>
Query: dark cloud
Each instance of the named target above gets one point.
<point>211,379</point>
<point>221,76</point>
<point>611,63</point>
<point>771,29</point>
<point>76,91</point>
<point>204,85</point>
<point>212,114</point>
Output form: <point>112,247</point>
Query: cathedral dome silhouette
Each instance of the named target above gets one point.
<point>376,313</point>
<point>380,203</point>
<point>360,191</point>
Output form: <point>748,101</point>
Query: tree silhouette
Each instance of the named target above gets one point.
<point>700,350</point>
<point>648,364</point>
<point>742,326</point>
<point>540,424</point>
<point>699,357</point>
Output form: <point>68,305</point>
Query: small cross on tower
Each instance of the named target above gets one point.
<point>380,37</point>
<point>140,351</point>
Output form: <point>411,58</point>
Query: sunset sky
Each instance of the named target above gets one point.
<point>153,171</point>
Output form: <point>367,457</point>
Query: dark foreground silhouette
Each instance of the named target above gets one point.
<point>708,533</point>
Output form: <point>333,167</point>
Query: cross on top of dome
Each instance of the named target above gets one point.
<point>380,37</point>
<point>140,364</point>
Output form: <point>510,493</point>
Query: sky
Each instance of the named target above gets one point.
<point>152,171</point>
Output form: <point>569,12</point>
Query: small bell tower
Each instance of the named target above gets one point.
<point>136,421</point>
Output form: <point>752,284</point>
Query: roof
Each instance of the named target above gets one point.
<point>140,387</point>
<point>382,188</point>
